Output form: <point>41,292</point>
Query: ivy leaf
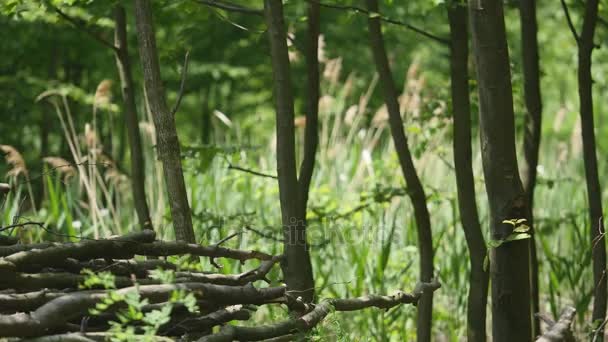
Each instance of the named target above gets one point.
<point>520,236</point>
<point>511,222</point>
<point>521,229</point>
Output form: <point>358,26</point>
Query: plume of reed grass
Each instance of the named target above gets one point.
<point>62,167</point>
<point>18,168</point>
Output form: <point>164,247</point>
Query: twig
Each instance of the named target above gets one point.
<point>360,10</point>
<point>217,244</point>
<point>212,259</point>
<point>255,173</point>
<point>79,25</point>
<point>570,23</point>
<point>227,6</point>
<point>262,234</point>
<point>182,85</point>
<point>23,224</point>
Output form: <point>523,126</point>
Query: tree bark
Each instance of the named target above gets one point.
<point>532,134</point>
<point>167,140</point>
<point>414,186</point>
<point>594,192</point>
<point>469,218</point>
<point>123,65</point>
<point>311,134</point>
<point>297,268</point>
<point>510,275</point>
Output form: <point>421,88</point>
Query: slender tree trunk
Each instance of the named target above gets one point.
<point>510,267</point>
<point>529,29</point>
<point>130,115</point>
<point>469,218</point>
<point>167,140</point>
<point>206,116</point>
<point>414,186</point>
<point>297,268</point>
<point>311,135</point>
<point>594,192</point>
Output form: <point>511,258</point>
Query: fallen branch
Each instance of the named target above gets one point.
<point>308,321</point>
<point>560,331</point>
<point>144,236</point>
<point>120,248</point>
<point>61,310</point>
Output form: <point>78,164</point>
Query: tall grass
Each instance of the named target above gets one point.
<point>362,229</point>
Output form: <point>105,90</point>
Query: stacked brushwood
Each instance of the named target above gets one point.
<point>41,298</point>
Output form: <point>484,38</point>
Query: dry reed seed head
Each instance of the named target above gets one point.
<point>114,177</point>
<point>560,116</point>
<point>321,49</point>
<point>351,114</point>
<point>381,116</point>
<point>562,152</point>
<point>15,159</point>
<point>326,103</point>
<point>63,167</point>
<point>348,84</point>
<point>292,52</point>
<point>105,160</point>
<point>576,141</point>
<point>412,71</point>
<point>332,70</point>
<point>90,138</point>
<point>299,121</point>
<point>103,94</point>
<point>148,129</point>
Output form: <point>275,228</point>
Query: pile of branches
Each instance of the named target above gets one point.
<point>42,297</point>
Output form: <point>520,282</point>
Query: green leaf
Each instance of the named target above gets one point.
<point>495,243</point>
<point>521,229</point>
<point>374,14</point>
<point>520,236</point>
<point>511,222</point>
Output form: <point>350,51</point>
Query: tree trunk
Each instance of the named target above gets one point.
<point>206,116</point>
<point>529,29</point>
<point>414,186</point>
<point>123,65</point>
<point>469,218</point>
<point>297,268</point>
<point>311,137</point>
<point>167,140</point>
<point>510,275</point>
<point>594,192</point>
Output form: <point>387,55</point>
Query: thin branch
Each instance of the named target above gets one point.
<point>182,85</point>
<point>23,224</point>
<point>570,23</point>
<point>361,10</point>
<point>317,314</point>
<point>83,27</point>
<point>255,173</point>
<point>61,310</point>
<point>227,6</point>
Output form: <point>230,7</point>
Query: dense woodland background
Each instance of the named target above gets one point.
<point>68,143</point>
